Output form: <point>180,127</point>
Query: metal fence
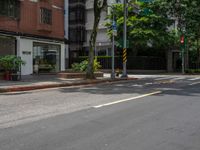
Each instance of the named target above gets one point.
<point>133,63</point>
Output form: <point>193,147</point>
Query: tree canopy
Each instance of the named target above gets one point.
<point>148,28</point>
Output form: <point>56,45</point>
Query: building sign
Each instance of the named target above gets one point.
<point>26,53</point>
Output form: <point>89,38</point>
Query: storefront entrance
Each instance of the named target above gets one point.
<point>46,58</point>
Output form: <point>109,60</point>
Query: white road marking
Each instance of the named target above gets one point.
<point>193,79</point>
<point>178,78</point>
<point>128,99</point>
<point>195,83</point>
<point>163,78</point>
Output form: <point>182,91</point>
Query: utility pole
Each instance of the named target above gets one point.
<point>124,55</point>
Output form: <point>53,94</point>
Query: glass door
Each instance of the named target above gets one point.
<point>46,58</point>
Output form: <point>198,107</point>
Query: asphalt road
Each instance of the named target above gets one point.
<point>152,113</point>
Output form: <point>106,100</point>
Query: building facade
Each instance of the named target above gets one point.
<point>34,30</point>
<point>76,27</point>
<point>103,42</point>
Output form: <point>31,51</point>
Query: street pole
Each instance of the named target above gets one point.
<point>183,55</point>
<point>113,49</point>
<point>183,61</point>
<point>124,55</point>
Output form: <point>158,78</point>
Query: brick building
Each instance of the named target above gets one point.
<point>35,31</point>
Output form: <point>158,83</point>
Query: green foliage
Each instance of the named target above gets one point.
<point>11,62</point>
<point>192,71</point>
<point>144,29</point>
<point>187,13</point>
<point>82,66</point>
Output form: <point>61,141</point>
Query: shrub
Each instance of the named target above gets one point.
<point>11,62</point>
<point>192,71</point>
<point>82,66</point>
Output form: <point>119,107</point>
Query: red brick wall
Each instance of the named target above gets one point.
<point>29,22</point>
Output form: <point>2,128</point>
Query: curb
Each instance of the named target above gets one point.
<point>49,86</point>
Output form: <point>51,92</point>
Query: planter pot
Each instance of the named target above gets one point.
<point>1,76</point>
<point>14,77</point>
<point>71,75</point>
<point>7,75</point>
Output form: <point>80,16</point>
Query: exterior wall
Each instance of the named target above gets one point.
<point>28,29</point>
<point>76,28</point>
<point>29,22</point>
<point>7,45</point>
<point>62,59</point>
<point>25,51</point>
<point>103,42</point>
<point>26,45</point>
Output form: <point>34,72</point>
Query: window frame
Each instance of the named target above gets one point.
<point>46,16</point>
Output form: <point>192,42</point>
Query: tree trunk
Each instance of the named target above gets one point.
<point>92,42</point>
<point>98,6</point>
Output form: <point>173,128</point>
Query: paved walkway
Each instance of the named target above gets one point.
<point>34,82</point>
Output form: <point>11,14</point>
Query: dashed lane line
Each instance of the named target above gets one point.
<point>195,83</point>
<point>193,79</point>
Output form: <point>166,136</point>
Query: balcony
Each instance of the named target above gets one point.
<point>44,27</point>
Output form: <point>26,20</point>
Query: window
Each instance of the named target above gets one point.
<point>72,16</point>
<point>76,1</point>
<point>45,16</point>
<point>45,1</point>
<point>46,57</point>
<point>10,8</point>
<point>77,34</point>
<point>7,46</point>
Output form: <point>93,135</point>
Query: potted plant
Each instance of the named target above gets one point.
<point>11,64</point>
<point>5,63</point>
<point>17,62</point>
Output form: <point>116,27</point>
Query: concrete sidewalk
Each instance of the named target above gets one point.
<point>34,82</point>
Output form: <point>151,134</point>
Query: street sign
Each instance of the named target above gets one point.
<point>114,25</point>
<point>114,28</point>
<point>145,1</point>
<point>146,11</point>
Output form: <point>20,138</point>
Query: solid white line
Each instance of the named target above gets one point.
<point>128,99</point>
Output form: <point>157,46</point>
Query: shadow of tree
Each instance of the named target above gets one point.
<point>141,86</point>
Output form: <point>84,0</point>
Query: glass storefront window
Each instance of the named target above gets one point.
<point>46,58</point>
<point>7,46</point>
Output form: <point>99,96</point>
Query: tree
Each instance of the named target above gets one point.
<point>149,28</point>
<point>187,13</point>
<point>98,6</point>
<point>193,25</point>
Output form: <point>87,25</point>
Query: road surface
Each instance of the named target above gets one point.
<point>152,113</point>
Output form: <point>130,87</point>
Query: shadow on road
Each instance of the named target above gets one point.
<point>142,86</point>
